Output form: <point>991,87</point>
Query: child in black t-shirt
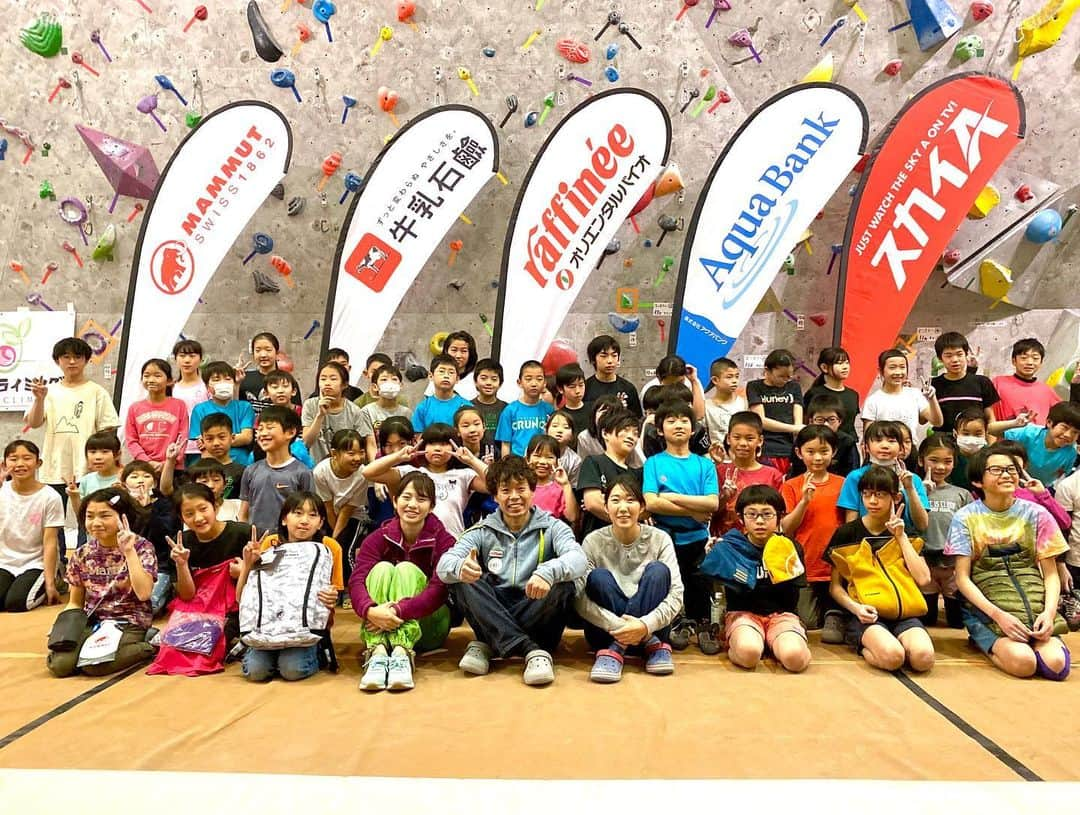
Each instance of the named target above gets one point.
<point>777,399</point>
<point>604,355</point>
<point>827,409</point>
<point>619,429</point>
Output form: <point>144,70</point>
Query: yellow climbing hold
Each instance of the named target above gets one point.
<point>986,201</point>
<point>823,71</point>
<point>769,304</point>
<point>1055,377</point>
<point>1044,28</point>
<point>995,280</point>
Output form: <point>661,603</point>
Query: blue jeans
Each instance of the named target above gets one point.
<point>602,589</point>
<point>159,596</point>
<point>291,664</point>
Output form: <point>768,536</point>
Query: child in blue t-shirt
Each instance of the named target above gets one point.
<point>220,380</point>
<point>1052,449</point>
<point>441,406</point>
<point>884,443</point>
<point>682,492</point>
<point>523,419</point>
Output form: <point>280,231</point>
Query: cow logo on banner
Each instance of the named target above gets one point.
<point>928,168</point>
<point>221,173</point>
<point>172,268</point>
<point>775,175</point>
<point>412,195</point>
<point>592,169</point>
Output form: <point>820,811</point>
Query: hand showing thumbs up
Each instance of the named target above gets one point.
<point>470,568</point>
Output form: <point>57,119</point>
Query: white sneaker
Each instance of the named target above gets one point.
<point>376,670</point>
<point>477,659</point>
<point>399,673</point>
<point>539,669</point>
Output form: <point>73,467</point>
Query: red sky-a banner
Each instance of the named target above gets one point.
<point>926,171</point>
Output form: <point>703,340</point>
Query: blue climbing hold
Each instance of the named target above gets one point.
<point>622,323</point>
<point>934,21</point>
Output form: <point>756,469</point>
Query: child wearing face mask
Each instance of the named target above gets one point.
<point>220,379</point>
<point>937,455</point>
<point>970,434</point>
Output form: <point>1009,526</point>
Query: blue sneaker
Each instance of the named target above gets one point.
<point>608,667</point>
<point>658,659</point>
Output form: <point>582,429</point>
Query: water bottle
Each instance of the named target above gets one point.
<point>717,608</point>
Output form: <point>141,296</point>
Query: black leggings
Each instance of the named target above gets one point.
<point>22,593</point>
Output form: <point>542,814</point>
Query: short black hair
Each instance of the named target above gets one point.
<point>282,415</point>
<point>1064,413</point>
<point>277,376</point>
<point>440,359</point>
<point>600,344</point>
<point>336,367</point>
<point>977,464</point>
<point>266,335</point>
<point>971,414</point>
<point>117,498</point>
<point>529,363</point>
<point>568,374</point>
<point>76,346</point>
<point>884,429</point>
<point>378,356</point>
<point>817,432</point>
<point>440,433</point>
<point>608,402</point>
<point>938,441</point>
<point>650,400</point>
<point>194,491</point>
<point>543,440</point>
<point>671,365</point>
<point>629,482</point>
<point>215,419</point>
<point>206,466</point>
<point>670,409</point>
<point>295,500</point>
<point>951,339</point>
<point>779,358</point>
<point>676,393</point>
<point>187,347</point>
<point>461,411</point>
<point>617,420</point>
<point>1014,449</point>
<point>890,353</point>
<point>104,440</point>
<point>389,370</point>
<point>721,364</point>
<point>394,425</point>
<point>746,418</point>
<point>336,353</point>
<point>761,494</point>
<point>218,368</point>
<point>879,479</point>
<point>1028,344</point>
<point>508,470</point>
<point>139,467</point>
<point>825,403</point>
<point>489,364</point>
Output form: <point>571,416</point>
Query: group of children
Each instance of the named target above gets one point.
<point>738,520</point>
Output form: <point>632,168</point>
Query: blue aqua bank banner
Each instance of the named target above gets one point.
<point>775,175</point>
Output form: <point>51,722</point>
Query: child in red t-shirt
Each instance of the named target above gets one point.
<point>813,516</point>
<point>741,468</point>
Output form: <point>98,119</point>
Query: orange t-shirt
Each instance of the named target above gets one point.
<point>337,579</point>
<point>821,519</point>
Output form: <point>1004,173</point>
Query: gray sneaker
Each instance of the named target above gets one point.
<point>399,673</point>
<point>376,670</point>
<point>832,631</point>
<point>539,669</point>
<point>477,659</point>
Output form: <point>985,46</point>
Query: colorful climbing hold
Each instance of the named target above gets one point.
<point>44,37</point>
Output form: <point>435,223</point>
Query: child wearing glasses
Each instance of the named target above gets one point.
<point>1005,553</point>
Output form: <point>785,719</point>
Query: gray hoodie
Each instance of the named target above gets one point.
<point>512,559</point>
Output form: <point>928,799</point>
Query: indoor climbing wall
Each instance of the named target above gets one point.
<point>145,70</point>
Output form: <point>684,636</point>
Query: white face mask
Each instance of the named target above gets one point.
<point>970,445</point>
<point>889,463</point>
<point>222,390</point>
<point>389,390</point>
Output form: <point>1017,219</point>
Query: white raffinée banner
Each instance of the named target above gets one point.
<point>775,175</point>
<point>26,342</point>
<point>414,192</point>
<point>589,174</point>
<point>215,181</point>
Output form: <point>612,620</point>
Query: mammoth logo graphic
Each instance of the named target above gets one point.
<point>172,267</point>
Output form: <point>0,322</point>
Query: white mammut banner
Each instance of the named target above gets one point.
<point>215,181</point>
<point>592,170</point>
<point>775,175</point>
<point>414,192</point>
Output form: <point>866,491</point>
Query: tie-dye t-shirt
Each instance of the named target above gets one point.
<point>976,526</point>
<point>94,567</point>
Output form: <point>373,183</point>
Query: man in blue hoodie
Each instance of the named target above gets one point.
<point>512,575</point>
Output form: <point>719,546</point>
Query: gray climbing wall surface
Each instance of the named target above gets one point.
<point>509,48</point>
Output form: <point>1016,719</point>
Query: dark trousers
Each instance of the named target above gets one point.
<point>696,586</point>
<point>21,593</point>
<point>504,618</point>
<point>132,650</point>
<point>602,588</point>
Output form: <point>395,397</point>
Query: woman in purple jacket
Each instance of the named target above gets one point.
<point>395,590</point>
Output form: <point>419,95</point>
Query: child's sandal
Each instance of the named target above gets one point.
<point>708,639</point>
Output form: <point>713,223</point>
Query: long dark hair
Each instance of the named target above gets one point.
<point>467,338</point>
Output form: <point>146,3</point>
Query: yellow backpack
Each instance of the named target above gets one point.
<point>877,576</point>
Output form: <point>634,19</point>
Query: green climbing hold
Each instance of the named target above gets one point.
<point>46,191</point>
<point>192,119</point>
<point>104,248</point>
<point>44,37</point>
